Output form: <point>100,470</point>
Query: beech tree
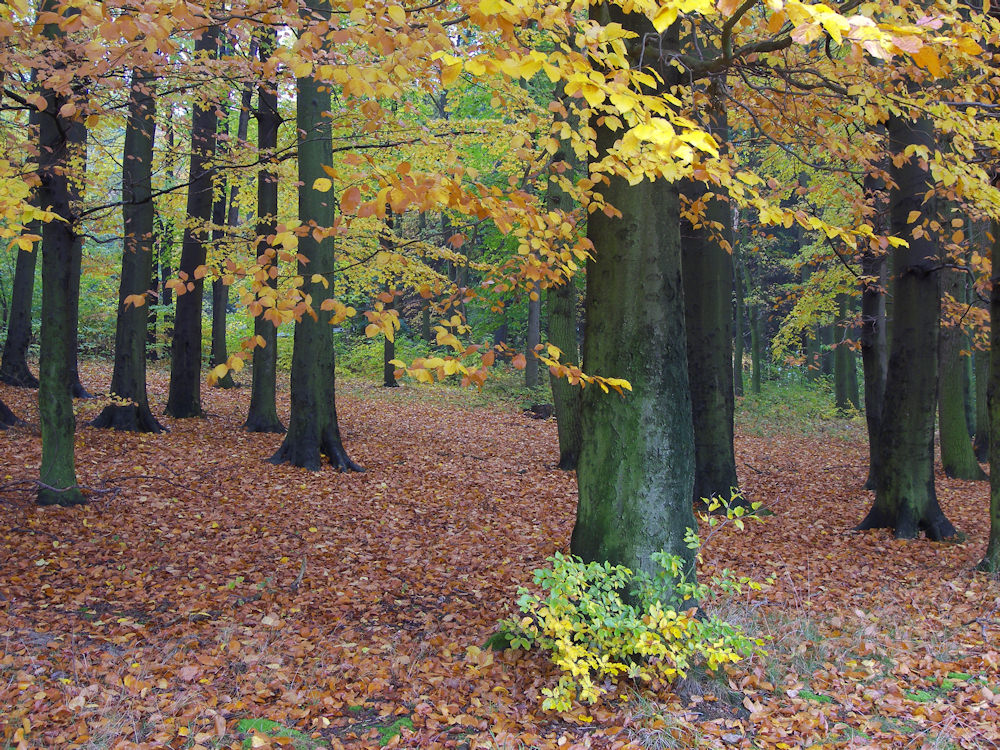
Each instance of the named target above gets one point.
<point>128,381</point>
<point>184,397</point>
<point>313,430</point>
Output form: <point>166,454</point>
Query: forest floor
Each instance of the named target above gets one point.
<point>213,600</point>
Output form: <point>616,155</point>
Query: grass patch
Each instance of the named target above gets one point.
<point>271,728</point>
<point>809,695</point>
<point>798,405</point>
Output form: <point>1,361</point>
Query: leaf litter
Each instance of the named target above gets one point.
<point>208,599</point>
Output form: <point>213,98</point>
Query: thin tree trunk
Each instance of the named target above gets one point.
<point>534,336</point>
<point>874,347</point>
<point>905,497</point>
<point>739,323</point>
<point>389,345</point>
<point>957,457</point>
<point>14,368</point>
<point>636,465</point>
<point>313,430</point>
<point>843,359</point>
<point>263,413</point>
<point>60,246</point>
<point>184,397</point>
<point>77,140</point>
<point>128,381</point>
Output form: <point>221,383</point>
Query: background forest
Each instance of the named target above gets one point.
<point>740,251</point>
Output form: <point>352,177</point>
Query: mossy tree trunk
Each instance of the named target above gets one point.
<point>991,560</point>
<point>313,430</point>
<point>706,243</point>
<point>636,469</point>
<point>128,380</point>
<point>184,396</point>
<point>957,456</point>
<point>263,412</point>
<point>60,245</point>
<point>905,497</point>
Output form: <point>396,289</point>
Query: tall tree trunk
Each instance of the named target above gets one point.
<point>981,445</point>
<point>184,396</point>
<point>636,467</point>
<point>957,456</point>
<point>77,139</point>
<point>534,335</point>
<point>874,347</point>
<point>739,323</point>
<point>7,417</point>
<point>389,345</point>
<point>313,430</point>
<point>843,363</point>
<point>753,311</point>
<point>706,243</point>
<point>263,413</point>
<point>991,560</point>
<point>14,365</point>
<point>905,498</point>
<point>128,381</point>
<point>60,246</point>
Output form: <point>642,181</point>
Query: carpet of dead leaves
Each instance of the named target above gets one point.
<point>202,588</point>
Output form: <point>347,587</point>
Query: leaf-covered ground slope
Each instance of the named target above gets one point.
<point>205,598</point>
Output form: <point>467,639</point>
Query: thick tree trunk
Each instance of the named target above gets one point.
<point>874,347</point>
<point>957,457</point>
<point>263,413</point>
<point>60,246</point>
<point>636,467</point>
<point>905,498</point>
<point>313,430</point>
<point>981,444</point>
<point>991,560</point>
<point>128,381</point>
<point>184,396</point>
<point>708,292</point>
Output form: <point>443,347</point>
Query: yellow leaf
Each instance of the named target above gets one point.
<point>318,278</point>
<point>912,217</point>
<point>449,74</point>
<point>302,69</point>
<point>475,66</point>
<point>397,14</point>
<point>664,17</point>
<point>322,184</point>
<point>220,371</point>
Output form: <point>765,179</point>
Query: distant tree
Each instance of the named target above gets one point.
<point>991,560</point>
<point>128,380</point>
<point>184,396</point>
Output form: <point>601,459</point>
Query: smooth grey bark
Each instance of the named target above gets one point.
<point>60,248</point>
<point>636,469</point>
<point>313,430</point>
<point>184,396</point>
<point>263,413</point>
<point>905,497</point>
<point>128,380</point>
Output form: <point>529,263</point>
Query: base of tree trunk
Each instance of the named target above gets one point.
<point>906,526</point>
<point>69,496</point>
<point>568,461</point>
<point>7,417</point>
<point>308,454</point>
<point>130,418</point>
<point>19,378</point>
<point>390,384</point>
<point>973,473</point>
<point>264,424</point>
<point>227,382</point>
<point>79,391</point>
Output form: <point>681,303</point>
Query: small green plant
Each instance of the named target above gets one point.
<point>601,621</point>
